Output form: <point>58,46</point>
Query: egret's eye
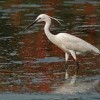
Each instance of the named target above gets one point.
<point>39,18</point>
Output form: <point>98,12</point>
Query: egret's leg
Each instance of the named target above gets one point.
<point>74,56</point>
<point>66,65</point>
<point>77,67</point>
<point>66,59</point>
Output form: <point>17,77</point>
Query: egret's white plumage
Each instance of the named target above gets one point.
<point>76,44</point>
<point>68,43</point>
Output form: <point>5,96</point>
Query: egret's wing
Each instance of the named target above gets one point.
<point>74,43</point>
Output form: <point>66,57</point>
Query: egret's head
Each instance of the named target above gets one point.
<point>43,18</point>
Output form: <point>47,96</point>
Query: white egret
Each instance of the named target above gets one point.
<point>68,43</point>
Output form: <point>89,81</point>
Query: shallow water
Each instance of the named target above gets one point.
<point>31,67</point>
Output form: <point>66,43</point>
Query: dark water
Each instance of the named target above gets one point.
<point>31,67</point>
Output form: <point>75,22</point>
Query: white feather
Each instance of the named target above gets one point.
<point>74,43</point>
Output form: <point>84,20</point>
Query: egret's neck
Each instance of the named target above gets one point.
<point>47,30</point>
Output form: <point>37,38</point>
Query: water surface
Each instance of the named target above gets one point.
<point>31,66</point>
